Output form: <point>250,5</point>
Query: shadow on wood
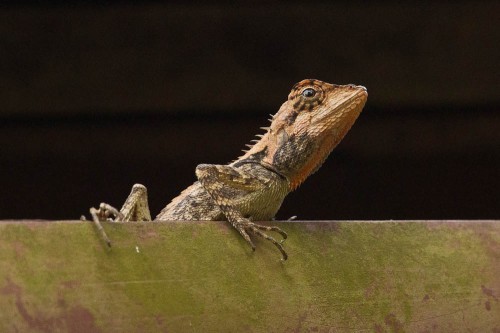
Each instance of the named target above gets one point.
<point>200,276</point>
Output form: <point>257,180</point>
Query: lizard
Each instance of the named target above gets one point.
<point>307,127</point>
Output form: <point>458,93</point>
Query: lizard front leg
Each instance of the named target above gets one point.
<point>239,194</point>
<point>135,208</point>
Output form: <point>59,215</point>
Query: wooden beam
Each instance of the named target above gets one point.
<point>390,276</point>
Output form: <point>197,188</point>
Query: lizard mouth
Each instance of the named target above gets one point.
<point>349,103</point>
<point>353,96</point>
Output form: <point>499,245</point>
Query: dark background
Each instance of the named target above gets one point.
<point>96,96</point>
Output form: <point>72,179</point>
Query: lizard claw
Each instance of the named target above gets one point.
<point>103,214</point>
<point>244,227</point>
<point>272,228</point>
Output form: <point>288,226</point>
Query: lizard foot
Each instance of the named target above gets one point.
<point>246,226</point>
<point>104,213</point>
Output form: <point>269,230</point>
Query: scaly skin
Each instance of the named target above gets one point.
<point>304,131</point>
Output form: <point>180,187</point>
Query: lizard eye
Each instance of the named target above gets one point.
<point>309,92</point>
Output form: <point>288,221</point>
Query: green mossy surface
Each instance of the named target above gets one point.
<point>202,277</point>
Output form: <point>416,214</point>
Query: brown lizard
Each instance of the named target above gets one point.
<point>304,131</point>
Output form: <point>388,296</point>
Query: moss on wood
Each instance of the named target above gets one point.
<point>202,277</point>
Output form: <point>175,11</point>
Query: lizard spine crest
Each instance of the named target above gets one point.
<point>306,128</point>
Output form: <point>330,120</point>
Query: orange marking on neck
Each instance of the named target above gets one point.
<point>326,146</point>
<point>313,163</point>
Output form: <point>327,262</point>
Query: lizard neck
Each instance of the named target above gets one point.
<point>300,139</point>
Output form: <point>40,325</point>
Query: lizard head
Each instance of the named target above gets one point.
<point>307,127</point>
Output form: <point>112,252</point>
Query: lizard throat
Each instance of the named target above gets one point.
<point>311,151</point>
<point>294,148</point>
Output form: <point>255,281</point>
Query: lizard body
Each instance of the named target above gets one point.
<point>307,127</point>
